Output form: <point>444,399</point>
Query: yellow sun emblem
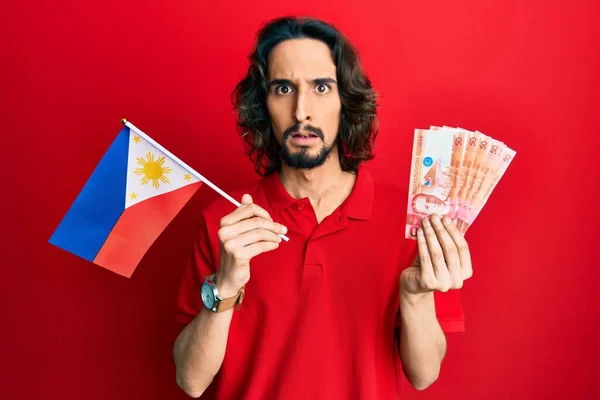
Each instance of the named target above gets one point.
<point>152,170</point>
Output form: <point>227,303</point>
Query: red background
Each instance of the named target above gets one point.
<point>526,72</point>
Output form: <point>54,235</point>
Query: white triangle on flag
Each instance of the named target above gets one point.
<point>150,172</point>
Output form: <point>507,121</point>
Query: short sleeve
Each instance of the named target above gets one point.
<point>201,261</point>
<point>448,305</point>
<point>449,311</point>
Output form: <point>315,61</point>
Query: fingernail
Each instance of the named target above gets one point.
<point>284,229</point>
<point>446,220</point>
<point>426,222</point>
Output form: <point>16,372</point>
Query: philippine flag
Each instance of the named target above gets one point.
<point>132,195</point>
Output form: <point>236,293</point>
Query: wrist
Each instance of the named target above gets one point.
<point>226,290</point>
<point>416,300</point>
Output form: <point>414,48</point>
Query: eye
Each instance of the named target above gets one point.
<point>283,89</point>
<point>322,88</point>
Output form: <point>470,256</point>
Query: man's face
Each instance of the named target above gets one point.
<point>303,101</point>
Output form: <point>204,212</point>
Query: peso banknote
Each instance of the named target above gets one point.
<point>456,175</point>
<point>487,186</point>
<point>487,149</point>
<point>431,179</point>
<point>467,171</point>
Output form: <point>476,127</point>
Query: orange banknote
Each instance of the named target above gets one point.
<point>497,170</point>
<point>488,150</point>
<point>430,177</point>
<point>456,173</point>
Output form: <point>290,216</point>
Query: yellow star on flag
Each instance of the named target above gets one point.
<point>133,196</point>
<point>137,139</point>
<point>187,177</point>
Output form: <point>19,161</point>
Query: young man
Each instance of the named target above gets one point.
<point>341,309</point>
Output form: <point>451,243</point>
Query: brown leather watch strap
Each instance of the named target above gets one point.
<point>227,304</point>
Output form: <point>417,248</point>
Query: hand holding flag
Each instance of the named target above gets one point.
<point>133,194</point>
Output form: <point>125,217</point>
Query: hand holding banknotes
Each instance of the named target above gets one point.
<point>444,260</point>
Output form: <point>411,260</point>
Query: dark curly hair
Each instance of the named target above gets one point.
<point>357,128</point>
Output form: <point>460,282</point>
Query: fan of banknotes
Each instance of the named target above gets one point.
<point>453,172</point>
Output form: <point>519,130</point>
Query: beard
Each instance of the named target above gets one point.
<point>302,159</point>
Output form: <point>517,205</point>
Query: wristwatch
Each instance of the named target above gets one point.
<point>214,302</point>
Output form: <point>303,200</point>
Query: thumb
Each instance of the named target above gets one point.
<point>246,199</point>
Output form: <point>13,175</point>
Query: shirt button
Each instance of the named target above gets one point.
<point>300,207</point>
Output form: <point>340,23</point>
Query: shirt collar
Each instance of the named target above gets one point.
<point>358,205</point>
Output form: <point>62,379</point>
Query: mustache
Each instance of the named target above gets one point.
<point>296,129</point>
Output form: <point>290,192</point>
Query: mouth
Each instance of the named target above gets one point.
<point>304,135</point>
<point>304,138</point>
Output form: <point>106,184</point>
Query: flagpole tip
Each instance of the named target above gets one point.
<point>123,121</point>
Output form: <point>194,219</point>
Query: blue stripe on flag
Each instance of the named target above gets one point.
<point>97,208</point>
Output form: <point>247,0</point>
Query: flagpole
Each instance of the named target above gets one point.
<point>184,165</point>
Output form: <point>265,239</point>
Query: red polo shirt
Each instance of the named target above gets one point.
<point>319,313</point>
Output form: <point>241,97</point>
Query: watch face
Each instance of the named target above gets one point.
<point>208,296</point>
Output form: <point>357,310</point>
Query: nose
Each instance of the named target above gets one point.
<point>301,111</point>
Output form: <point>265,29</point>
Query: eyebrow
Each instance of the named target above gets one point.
<point>317,81</point>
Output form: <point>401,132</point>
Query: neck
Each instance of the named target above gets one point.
<point>326,186</point>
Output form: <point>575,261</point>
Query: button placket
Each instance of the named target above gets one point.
<point>311,270</point>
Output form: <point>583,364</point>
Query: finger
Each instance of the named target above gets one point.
<point>435,252</point>
<point>243,212</point>
<point>427,275</point>
<point>258,248</point>
<point>449,250</point>
<point>463,250</point>
<point>246,199</point>
<point>251,237</point>
<point>230,231</point>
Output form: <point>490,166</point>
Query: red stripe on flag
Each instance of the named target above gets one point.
<point>138,228</point>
